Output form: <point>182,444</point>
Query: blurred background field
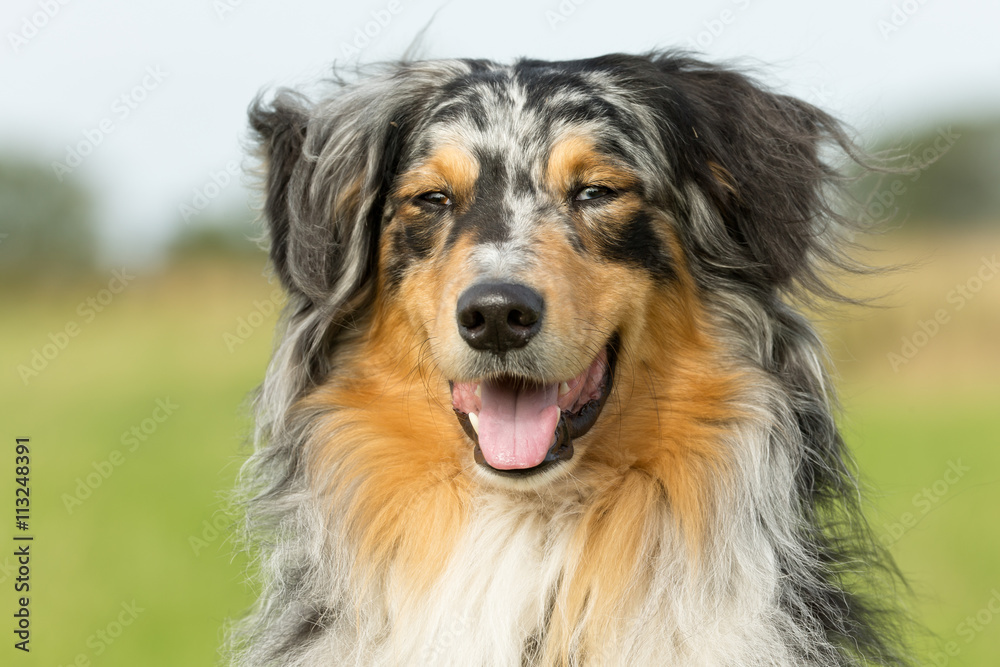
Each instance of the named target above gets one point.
<point>196,334</point>
<point>137,315</point>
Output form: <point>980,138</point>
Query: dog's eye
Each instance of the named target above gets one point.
<point>436,198</point>
<point>589,192</point>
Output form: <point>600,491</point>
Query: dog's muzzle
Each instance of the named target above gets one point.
<point>520,425</point>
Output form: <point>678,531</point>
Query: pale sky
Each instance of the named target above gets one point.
<point>187,70</point>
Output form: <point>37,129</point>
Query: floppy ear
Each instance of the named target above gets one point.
<point>280,132</point>
<point>328,167</point>
<point>758,157</point>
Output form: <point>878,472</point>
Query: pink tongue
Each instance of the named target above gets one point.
<point>517,426</point>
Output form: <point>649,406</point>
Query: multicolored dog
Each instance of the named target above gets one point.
<point>540,395</point>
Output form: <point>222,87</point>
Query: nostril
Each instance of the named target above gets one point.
<point>471,319</point>
<point>518,318</point>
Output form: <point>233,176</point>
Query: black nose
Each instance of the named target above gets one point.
<point>499,316</point>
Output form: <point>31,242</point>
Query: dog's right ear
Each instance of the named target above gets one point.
<point>280,132</point>
<point>328,167</point>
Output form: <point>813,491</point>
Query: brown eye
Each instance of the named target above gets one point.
<point>588,192</point>
<point>436,198</point>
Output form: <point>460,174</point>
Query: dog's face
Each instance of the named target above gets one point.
<point>548,231</point>
<point>522,243</point>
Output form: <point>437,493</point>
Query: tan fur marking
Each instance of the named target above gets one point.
<point>398,486</point>
<point>450,169</point>
<point>348,197</point>
<point>723,176</point>
<point>575,162</point>
<point>606,573</point>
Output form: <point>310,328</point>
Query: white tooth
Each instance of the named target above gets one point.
<point>479,390</point>
<point>563,388</point>
<point>474,420</point>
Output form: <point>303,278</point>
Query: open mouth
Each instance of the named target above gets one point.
<point>521,427</point>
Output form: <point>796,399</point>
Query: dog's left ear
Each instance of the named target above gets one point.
<point>758,156</point>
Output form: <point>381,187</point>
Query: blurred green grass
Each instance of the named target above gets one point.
<point>164,338</point>
<point>130,540</point>
<point>931,466</point>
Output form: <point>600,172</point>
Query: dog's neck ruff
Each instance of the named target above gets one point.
<point>506,580</point>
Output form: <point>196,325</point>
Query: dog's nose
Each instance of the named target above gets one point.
<point>499,316</point>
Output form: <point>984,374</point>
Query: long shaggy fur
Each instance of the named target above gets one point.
<point>742,544</point>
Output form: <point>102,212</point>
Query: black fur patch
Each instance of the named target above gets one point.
<point>487,219</point>
<point>408,244</point>
<point>639,245</point>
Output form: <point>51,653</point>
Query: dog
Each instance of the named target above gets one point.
<point>542,393</point>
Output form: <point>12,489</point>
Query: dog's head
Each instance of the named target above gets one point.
<point>537,227</point>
